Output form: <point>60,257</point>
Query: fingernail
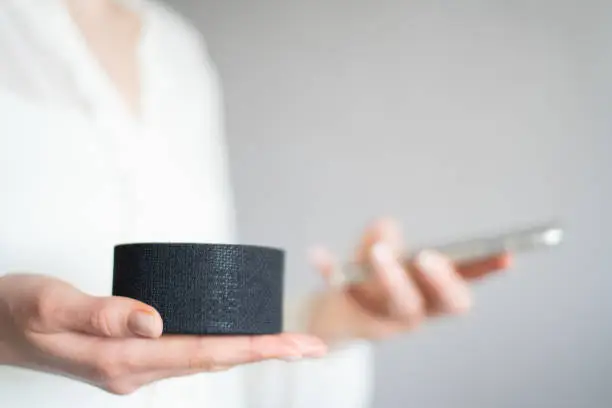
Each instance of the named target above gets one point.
<point>143,323</point>
<point>311,347</point>
<point>317,254</point>
<point>433,263</point>
<point>462,303</point>
<point>506,262</point>
<point>382,254</point>
<point>457,303</point>
<point>315,352</point>
<point>292,358</point>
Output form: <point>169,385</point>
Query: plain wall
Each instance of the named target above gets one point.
<point>457,118</point>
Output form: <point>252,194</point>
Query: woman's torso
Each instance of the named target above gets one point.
<point>79,175</point>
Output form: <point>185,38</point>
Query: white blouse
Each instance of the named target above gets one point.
<point>79,174</point>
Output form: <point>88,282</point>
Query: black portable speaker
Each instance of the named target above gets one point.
<point>205,288</point>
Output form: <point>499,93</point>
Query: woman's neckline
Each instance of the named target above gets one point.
<point>93,78</point>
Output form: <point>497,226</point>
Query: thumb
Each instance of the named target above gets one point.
<point>115,317</point>
<point>327,265</point>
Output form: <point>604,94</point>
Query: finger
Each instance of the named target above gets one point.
<point>403,297</point>
<point>481,268</point>
<point>327,265</point>
<point>187,355</point>
<point>212,353</point>
<point>443,288</point>
<point>384,230</point>
<point>111,317</point>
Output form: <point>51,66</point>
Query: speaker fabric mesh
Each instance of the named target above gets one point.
<point>204,288</point>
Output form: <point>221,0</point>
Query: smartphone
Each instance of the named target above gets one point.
<point>517,241</point>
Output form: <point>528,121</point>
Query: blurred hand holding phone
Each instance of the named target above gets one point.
<point>515,242</point>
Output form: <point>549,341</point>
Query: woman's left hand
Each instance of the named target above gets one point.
<point>397,297</point>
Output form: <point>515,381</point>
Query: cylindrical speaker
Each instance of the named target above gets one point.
<point>205,288</point>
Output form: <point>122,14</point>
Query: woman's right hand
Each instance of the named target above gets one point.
<point>115,343</point>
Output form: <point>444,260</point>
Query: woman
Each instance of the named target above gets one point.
<point>112,132</point>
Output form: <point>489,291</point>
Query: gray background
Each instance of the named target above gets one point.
<point>456,118</point>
